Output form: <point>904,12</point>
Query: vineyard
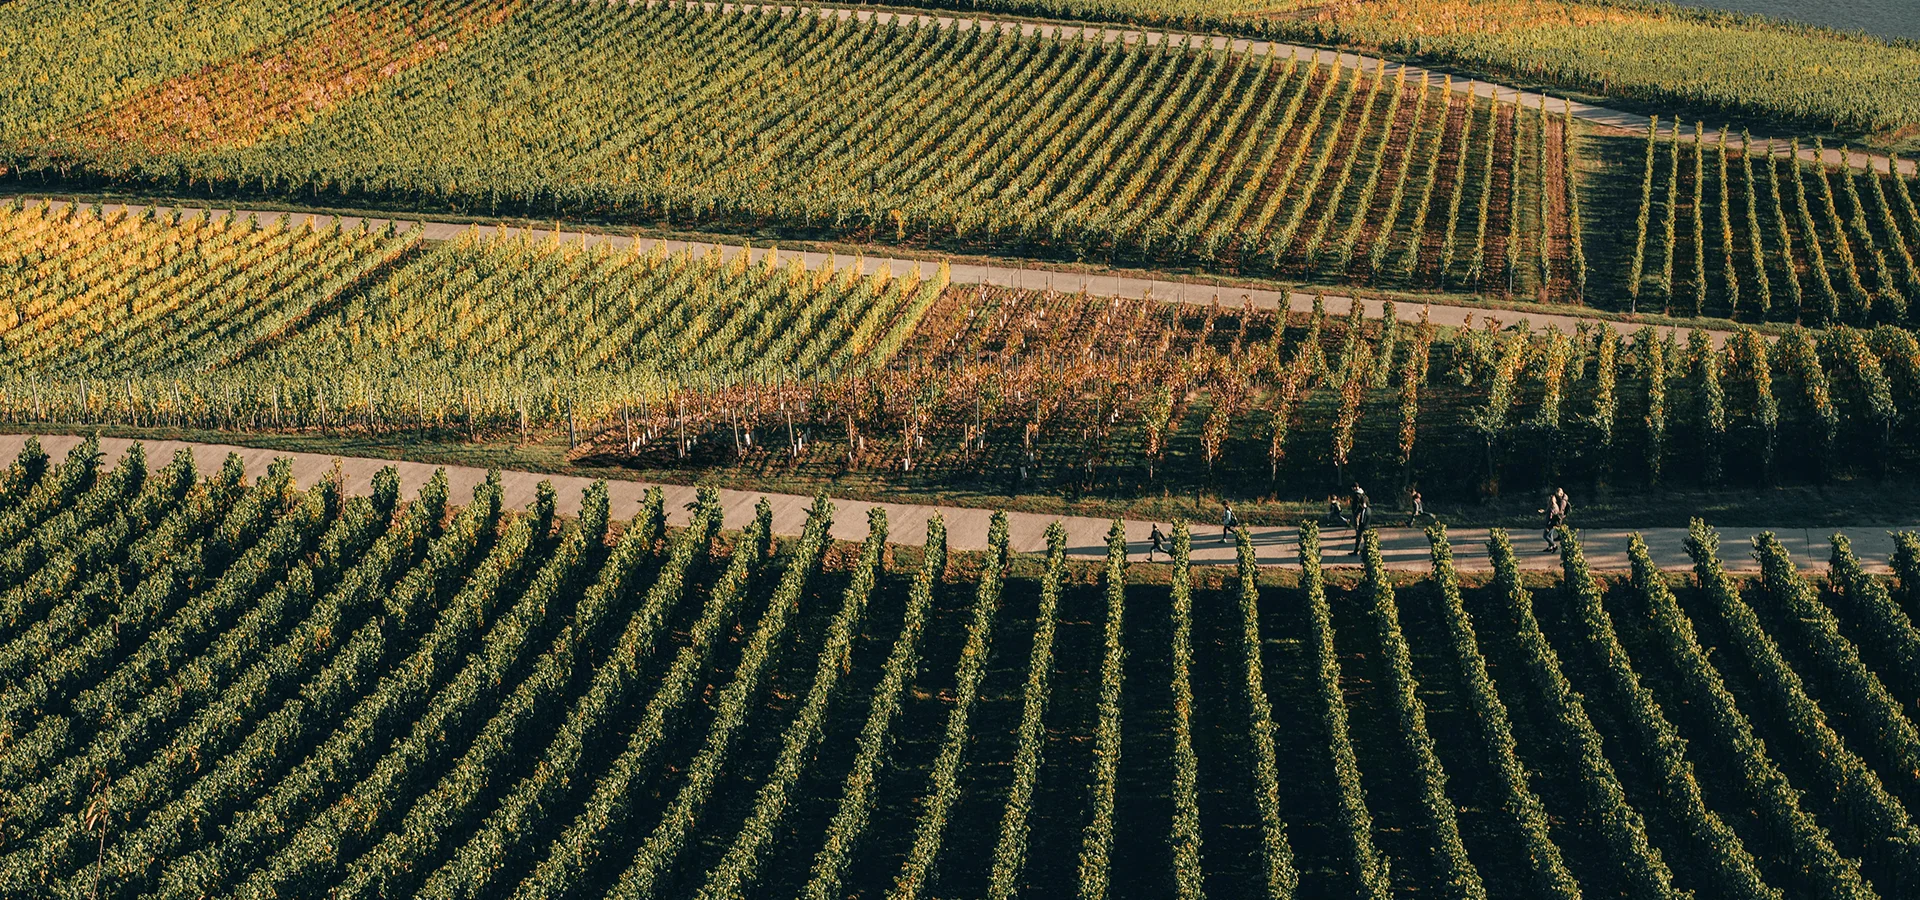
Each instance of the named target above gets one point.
<point>247,687</point>
<point>1744,235</point>
<point>1665,53</point>
<point>1053,392</point>
<point>217,687</point>
<point>210,320</point>
<point>721,363</point>
<point>968,138</point>
<point>957,137</point>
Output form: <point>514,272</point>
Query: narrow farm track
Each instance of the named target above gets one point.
<point>1403,549</point>
<point>1031,278</point>
<point>1585,112</point>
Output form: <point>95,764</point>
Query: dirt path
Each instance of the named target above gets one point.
<point>1033,278</point>
<point>1404,548</point>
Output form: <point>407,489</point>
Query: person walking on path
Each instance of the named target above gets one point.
<point>1334,515</point>
<point>1156,542</point>
<point>1417,509</point>
<point>1557,505</point>
<point>1362,518</point>
<point>1228,521</point>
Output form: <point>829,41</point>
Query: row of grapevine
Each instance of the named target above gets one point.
<point>952,133</point>
<point>1621,826</point>
<point>677,398</point>
<point>314,855</point>
<point>1442,817</point>
<point>1499,128</point>
<point>52,557</point>
<point>451,802</point>
<point>854,811</point>
<point>146,604</point>
<point>1855,787</point>
<point>1523,136</point>
<point>735,873</point>
<point>1906,563</point>
<point>36,809</point>
<point>1097,838</point>
<point>1636,270</point>
<point>1281,877</point>
<point>1670,215</point>
<point>218,605</point>
<point>1548,866</point>
<point>1370,868</point>
<point>653,860</point>
<point>1189,876</point>
<point>173,293</point>
<point>504,837</point>
<point>113,716</point>
<point>102,496</point>
<point>340,711</point>
<point>1855,688</point>
<point>1765,784</point>
<point>943,784</point>
<point>1570,179</point>
<point>340,758</point>
<point>1841,250</point>
<point>1734,868</point>
<point>48,496</point>
<point>604,819</point>
<point>1010,850</point>
<point>491,322</point>
<point>1698,219</point>
<point>359,698</point>
<point>1883,623</point>
<point>66,638</point>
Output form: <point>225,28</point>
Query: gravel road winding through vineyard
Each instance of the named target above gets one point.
<point>1403,548</point>
<point>1033,278</point>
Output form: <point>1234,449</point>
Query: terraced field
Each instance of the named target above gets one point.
<point>217,686</point>
<point>702,362</point>
<point>975,138</point>
<point>244,689</point>
<point>963,137</point>
<point>1739,235</point>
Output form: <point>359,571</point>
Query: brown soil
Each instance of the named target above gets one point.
<point>1345,149</point>
<point>1554,182</point>
<point>1401,144</point>
<point>1500,208</point>
<point>244,100</point>
<point>1426,269</point>
<point>1322,78</point>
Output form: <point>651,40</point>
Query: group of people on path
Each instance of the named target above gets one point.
<point>1358,515</point>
